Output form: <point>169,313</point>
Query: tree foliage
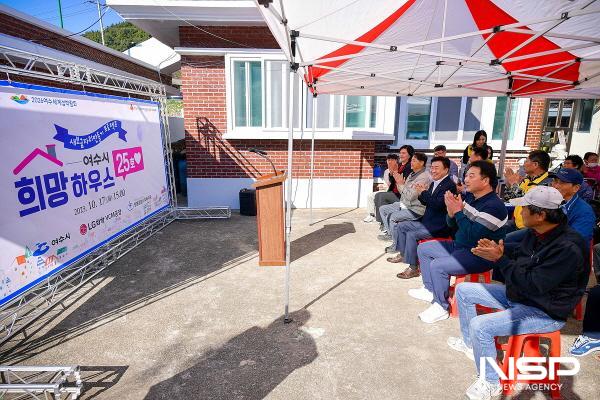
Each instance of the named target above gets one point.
<point>119,36</point>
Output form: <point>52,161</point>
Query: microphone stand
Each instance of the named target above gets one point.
<point>264,155</point>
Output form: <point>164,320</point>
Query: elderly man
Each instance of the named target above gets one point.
<point>409,208</point>
<point>541,291</point>
<point>406,234</point>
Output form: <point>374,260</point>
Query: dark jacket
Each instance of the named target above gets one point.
<point>434,218</point>
<point>469,148</point>
<point>550,273</point>
<point>405,172</point>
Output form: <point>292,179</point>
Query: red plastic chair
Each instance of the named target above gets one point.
<point>528,345</point>
<point>453,308</point>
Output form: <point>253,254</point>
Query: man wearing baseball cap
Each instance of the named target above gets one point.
<point>545,277</point>
<point>580,214</point>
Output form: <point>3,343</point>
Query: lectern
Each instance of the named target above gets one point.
<point>270,219</point>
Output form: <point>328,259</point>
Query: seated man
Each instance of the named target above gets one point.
<point>589,340</point>
<point>440,151</point>
<point>575,162</point>
<point>392,165</point>
<point>481,215</point>
<point>406,234</point>
<point>580,215</point>
<point>409,208</point>
<point>540,293</point>
<point>536,167</point>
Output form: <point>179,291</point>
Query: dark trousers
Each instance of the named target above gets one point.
<point>591,319</point>
<point>383,198</point>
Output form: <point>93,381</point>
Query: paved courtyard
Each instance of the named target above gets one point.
<point>190,315</point>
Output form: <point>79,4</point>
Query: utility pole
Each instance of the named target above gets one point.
<point>60,13</point>
<point>101,25</point>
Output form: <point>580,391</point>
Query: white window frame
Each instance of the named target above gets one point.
<point>383,130</point>
<point>486,122</point>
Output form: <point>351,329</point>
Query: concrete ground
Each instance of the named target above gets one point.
<point>190,315</point>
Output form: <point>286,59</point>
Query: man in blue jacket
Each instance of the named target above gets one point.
<point>481,215</point>
<point>406,234</point>
<point>580,215</point>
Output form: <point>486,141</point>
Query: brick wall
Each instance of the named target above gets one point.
<point>232,36</point>
<point>535,123</point>
<point>211,156</point>
<point>12,26</point>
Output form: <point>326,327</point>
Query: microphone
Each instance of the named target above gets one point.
<point>262,154</point>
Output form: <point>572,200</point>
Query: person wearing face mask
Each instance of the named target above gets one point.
<point>575,162</point>
<point>480,140</point>
<point>591,169</point>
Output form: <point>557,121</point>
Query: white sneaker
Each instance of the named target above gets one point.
<point>421,294</point>
<point>433,314</point>
<point>458,344</point>
<point>483,390</point>
<point>369,218</point>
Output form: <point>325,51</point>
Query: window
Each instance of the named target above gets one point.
<point>586,110</point>
<point>500,118</point>
<point>473,109</point>
<point>329,110</point>
<point>448,118</point>
<point>277,98</point>
<point>247,89</point>
<point>559,114</point>
<point>418,116</point>
<point>361,111</point>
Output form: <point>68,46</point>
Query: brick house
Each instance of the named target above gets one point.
<point>234,87</point>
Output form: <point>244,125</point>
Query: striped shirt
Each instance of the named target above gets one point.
<point>480,218</point>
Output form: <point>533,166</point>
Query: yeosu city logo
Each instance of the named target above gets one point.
<point>22,99</point>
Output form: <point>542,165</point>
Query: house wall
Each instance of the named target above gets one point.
<point>218,166</point>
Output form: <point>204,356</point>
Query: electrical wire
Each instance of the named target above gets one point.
<point>72,34</point>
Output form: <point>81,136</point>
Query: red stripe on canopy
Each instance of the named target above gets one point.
<point>369,37</point>
<point>487,15</point>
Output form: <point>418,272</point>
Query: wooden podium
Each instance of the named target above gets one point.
<point>270,217</point>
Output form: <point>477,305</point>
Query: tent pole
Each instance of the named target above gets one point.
<point>288,203</point>
<point>505,136</point>
<point>312,154</point>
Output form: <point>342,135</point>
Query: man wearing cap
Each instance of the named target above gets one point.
<point>545,277</point>
<point>580,214</point>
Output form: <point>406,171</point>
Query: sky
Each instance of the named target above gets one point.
<point>77,14</point>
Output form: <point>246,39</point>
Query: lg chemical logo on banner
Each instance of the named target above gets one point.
<point>72,163</point>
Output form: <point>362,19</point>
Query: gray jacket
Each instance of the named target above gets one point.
<point>409,196</point>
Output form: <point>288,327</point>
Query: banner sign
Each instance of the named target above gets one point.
<point>77,170</point>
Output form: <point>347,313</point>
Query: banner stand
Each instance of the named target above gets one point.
<point>20,317</point>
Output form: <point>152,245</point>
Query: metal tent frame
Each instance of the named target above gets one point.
<point>358,81</point>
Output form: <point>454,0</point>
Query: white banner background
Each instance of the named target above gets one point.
<point>37,243</point>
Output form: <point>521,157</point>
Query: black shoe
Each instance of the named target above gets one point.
<point>391,249</point>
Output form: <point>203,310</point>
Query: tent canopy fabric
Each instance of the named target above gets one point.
<point>519,48</point>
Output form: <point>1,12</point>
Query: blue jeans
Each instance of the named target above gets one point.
<point>479,331</point>
<point>392,214</point>
<point>441,259</point>
<point>406,235</point>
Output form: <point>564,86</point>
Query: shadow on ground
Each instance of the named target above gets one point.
<point>150,272</point>
<point>249,366</point>
<point>319,238</point>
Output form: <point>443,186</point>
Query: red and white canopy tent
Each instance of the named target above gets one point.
<point>513,48</point>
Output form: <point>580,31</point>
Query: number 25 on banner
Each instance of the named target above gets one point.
<point>128,161</point>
